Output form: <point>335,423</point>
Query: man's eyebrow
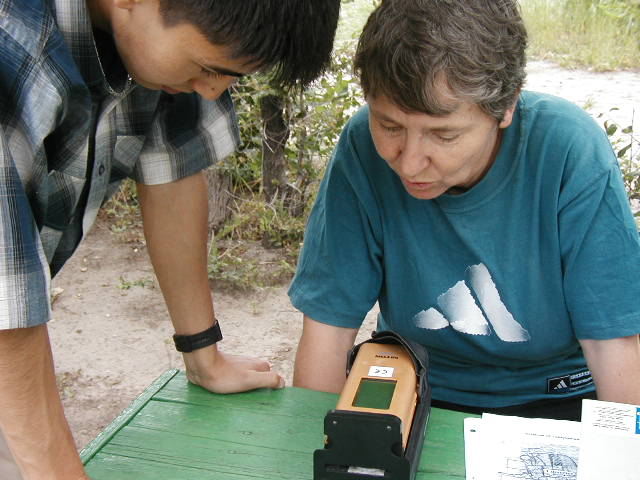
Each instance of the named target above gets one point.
<point>223,71</point>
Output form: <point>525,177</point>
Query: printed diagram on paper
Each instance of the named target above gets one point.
<point>542,463</point>
<point>514,448</point>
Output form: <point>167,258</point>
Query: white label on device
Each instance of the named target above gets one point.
<point>383,372</point>
<point>374,472</point>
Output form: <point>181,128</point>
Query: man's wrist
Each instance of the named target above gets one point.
<point>205,338</point>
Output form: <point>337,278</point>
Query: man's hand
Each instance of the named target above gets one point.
<point>222,373</point>
<point>175,224</point>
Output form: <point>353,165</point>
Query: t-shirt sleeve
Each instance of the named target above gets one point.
<point>188,135</point>
<point>600,244</point>
<point>24,272</point>
<point>340,273</point>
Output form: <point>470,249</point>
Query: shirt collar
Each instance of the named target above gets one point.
<point>75,26</point>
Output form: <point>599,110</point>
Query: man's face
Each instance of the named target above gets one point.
<point>174,59</point>
<point>432,154</point>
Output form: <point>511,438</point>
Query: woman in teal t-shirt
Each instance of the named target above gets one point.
<point>490,224</point>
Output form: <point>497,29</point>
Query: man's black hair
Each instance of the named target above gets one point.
<point>292,37</point>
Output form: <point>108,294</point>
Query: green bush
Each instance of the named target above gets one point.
<point>627,148</point>
<point>315,117</point>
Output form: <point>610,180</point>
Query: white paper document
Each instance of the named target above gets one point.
<point>610,444</point>
<point>513,448</point>
<point>472,447</point>
<point>605,445</point>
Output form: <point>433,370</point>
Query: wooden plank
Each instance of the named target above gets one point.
<point>443,453</point>
<point>185,454</point>
<point>127,414</point>
<point>190,456</point>
<point>106,467</point>
<point>179,430</point>
<point>299,402</point>
<point>275,428</point>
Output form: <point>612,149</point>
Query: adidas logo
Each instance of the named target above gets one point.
<point>561,386</point>
<point>458,309</point>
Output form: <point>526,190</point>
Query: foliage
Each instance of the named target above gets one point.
<point>128,284</point>
<point>627,147</point>
<point>236,257</point>
<point>315,117</point>
<point>625,11</point>
<point>122,208</point>
<point>599,34</point>
<point>123,215</point>
<point>353,16</point>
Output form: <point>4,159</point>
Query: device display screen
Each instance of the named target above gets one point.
<point>374,393</point>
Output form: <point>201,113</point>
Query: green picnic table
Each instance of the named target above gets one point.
<point>176,430</point>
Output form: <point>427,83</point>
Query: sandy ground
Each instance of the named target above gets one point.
<point>110,331</point>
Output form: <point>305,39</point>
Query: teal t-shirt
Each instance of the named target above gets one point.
<point>499,282</point>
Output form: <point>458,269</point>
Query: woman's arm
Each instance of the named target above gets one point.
<point>615,366</point>
<point>321,359</point>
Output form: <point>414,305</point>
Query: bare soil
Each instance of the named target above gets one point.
<point>111,333</point>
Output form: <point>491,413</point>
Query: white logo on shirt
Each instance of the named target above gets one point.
<point>562,385</point>
<point>459,309</point>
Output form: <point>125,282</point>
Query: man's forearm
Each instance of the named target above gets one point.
<point>175,225</point>
<point>31,414</point>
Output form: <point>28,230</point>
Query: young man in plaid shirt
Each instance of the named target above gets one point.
<point>95,91</point>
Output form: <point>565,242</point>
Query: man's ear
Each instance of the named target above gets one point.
<point>508,114</point>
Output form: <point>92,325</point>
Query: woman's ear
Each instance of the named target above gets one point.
<point>508,114</point>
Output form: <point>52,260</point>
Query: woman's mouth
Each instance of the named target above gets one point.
<point>417,185</point>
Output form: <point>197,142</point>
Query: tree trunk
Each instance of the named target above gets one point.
<point>274,138</point>
<point>219,197</point>
<point>276,133</point>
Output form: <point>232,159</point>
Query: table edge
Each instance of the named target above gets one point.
<point>93,447</point>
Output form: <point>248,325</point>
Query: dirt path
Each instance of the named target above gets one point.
<point>110,330</point>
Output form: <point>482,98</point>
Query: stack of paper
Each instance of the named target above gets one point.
<point>510,448</point>
<point>610,444</point>
<point>605,445</point>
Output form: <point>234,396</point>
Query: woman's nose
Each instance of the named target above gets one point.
<point>412,158</point>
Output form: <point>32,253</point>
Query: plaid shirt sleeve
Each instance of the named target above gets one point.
<point>24,270</point>
<point>188,135</point>
<point>24,273</point>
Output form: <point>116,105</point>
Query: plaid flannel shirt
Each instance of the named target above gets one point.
<point>65,144</point>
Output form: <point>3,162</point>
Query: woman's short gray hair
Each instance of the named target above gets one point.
<point>476,47</point>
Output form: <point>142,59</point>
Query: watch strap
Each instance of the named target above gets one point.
<point>189,343</point>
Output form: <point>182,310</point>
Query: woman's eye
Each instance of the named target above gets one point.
<point>447,138</point>
<point>391,128</point>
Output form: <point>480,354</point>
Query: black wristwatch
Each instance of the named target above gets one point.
<point>189,343</point>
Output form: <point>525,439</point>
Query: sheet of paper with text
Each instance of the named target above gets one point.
<point>610,441</point>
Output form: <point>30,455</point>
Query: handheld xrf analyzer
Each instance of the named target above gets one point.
<point>377,428</point>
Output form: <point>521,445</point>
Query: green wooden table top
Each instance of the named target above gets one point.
<point>176,430</point>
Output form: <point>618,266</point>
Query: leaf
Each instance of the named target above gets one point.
<point>623,151</point>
